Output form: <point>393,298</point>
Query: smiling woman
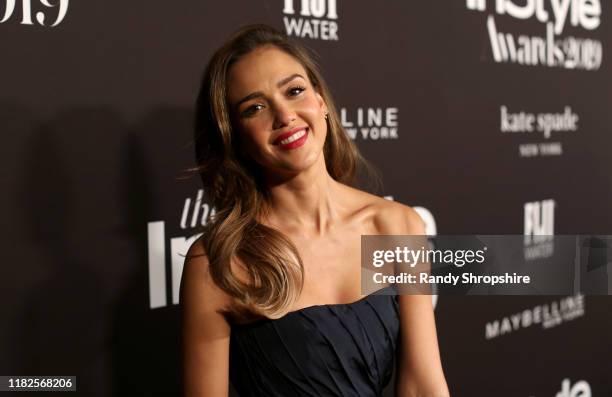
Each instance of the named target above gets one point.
<point>270,293</point>
<point>288,106</point>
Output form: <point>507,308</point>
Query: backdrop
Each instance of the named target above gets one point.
<point>491,116</point>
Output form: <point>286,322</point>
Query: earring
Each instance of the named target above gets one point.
<point>326,115</point>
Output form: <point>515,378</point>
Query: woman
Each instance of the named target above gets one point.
<point>278,270</point>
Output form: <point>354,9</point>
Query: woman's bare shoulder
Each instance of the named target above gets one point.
<point>205,329</point>
<point>197,284</point>
<point>389,217</point>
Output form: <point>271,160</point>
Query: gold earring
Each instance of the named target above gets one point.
<point>326,115</point>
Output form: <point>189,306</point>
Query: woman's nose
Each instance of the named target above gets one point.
<point>284,115</point>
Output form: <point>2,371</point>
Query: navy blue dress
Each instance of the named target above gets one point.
<point>326,350</point>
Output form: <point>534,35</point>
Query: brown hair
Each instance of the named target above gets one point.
<point>234,185</point>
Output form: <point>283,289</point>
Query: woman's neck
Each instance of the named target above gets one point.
<point>308,203</point>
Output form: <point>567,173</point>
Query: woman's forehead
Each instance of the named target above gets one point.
<point>261,69</point>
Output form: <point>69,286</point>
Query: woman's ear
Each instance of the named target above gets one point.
<point>322,103</point>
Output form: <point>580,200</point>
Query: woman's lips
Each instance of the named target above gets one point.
<point>292,139</point>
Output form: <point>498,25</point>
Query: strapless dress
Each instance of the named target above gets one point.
<point>325,350</point>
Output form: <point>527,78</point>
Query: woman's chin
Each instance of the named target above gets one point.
<point>290,170</point>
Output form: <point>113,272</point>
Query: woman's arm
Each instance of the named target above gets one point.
<point>205,332</point>
<point>419,370</point>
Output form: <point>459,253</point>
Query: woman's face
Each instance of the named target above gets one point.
<point>277,112</point>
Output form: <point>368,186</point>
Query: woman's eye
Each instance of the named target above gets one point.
<point>293,91</point>
<point>251,110</point>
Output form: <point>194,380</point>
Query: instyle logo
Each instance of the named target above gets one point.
<point>195,213</point>
<point>317,19</point>
<point>36,13</point>
<point>539,229</point>
<point>549,50</point>
<point>369,123</point>
<point>549,315</point>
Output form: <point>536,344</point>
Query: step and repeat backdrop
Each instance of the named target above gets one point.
<point>489,116</point>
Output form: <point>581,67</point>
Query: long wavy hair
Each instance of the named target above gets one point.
<point>234,185</point>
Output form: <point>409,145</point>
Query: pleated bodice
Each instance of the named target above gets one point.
<point>324,350</point>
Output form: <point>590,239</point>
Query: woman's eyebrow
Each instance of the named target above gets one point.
<point>253,95</point>
<point>259,94</point>
<point>284,81</point>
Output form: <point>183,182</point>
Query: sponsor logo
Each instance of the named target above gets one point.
<point>370,124</point>
<point>34,14</point>
<point>523,124</point>
<point>550,49</point>
<point>549,315</point>
<point>317,19</point>
<point>539,229</point>
<point>195,213</point>
<point>578,389</point>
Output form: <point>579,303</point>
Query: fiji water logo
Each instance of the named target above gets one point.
<point>313,19</point>
<point>539,229</point>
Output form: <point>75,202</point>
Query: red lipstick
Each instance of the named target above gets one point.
<point>292,139</point>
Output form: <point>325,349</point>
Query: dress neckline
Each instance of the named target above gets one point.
<point>321,306</point>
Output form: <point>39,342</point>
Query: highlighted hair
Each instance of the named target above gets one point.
<point>234,185</point>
